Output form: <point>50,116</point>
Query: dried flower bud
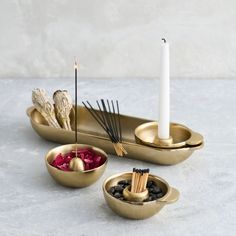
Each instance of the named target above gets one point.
<point>63,105</point>
<point>45,106</point>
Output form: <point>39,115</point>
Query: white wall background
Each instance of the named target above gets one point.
<point>39,38</point>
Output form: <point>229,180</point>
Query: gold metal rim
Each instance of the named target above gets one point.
<point>194,139</point>
<point>69,172</point>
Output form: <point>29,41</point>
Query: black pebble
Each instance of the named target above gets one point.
<point>150,183</point>
<point>124,182</point>
<point>121,198</point>
<point>112,190</point>
<point>152,195</point>
<point>117,195</point>
<point>119,188</point>
<point>150,190</point>
<point>150,198</point>
<point>159,195</point>
<point>156,189</point>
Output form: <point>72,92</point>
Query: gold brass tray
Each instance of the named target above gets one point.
<point>91,133</point>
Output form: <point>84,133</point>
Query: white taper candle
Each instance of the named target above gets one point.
<point>164,93</point>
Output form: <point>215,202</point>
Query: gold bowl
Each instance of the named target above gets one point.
<point>181,136</point>
<point>74,179</point>
<point>138,210</point>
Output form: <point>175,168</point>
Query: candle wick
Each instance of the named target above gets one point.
<point>164,40</point>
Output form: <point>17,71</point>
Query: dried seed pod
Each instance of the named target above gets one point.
<point>63,106</point>
<point>45,106</point>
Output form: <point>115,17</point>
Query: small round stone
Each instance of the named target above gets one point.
<point>119,188</point>
<point>121,198</point>
<point>150,198</point>
<point>149,183</point>
<point>123,182</point>
<point>150,190</point>
<point>112,190</point>
<point>125,185</point>
<point>159,195</point>
<point>152,195</point>
<point>156,189</point>
<point>117,195</point>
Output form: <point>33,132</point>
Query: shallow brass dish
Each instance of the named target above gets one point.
<point>138,210</point>
<point>75,179</point>
<point>90,132</point>
<point>181,136</point>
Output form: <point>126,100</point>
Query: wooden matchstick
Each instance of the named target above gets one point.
<point>133,180</point>
<point>142,179</point>
<point>146,174</point>
<point>136,181</point>
<point>139,180</point>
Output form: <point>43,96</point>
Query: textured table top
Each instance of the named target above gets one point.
<point>31,203</point>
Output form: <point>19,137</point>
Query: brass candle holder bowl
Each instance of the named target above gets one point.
<point>138,209</point>
<point>75,179</point>
<point>180,136</point>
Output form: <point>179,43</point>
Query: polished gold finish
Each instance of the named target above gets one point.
<point>134,197</point>
<point>75,179</point>
<point>120,151</point>
<point>181,136</point>
<point>76,164</point>
<point>90,132</point>
<point>138,210</point>
<point>164,142</point>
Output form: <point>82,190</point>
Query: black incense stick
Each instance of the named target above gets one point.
<point>118,111</point>
<point>100,120</point>
<point>76,67</point>
<point>109,119</point>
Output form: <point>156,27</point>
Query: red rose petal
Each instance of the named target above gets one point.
<point>90,158</point>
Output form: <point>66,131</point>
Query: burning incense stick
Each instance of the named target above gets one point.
<point>76,95</point>
<point>76,112</point>
<point>76,163</point>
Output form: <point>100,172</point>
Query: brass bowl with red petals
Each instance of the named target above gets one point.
<point>75,179</point>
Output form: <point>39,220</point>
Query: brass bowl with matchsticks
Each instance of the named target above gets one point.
<point>138,210</point>
<point>74,179</point>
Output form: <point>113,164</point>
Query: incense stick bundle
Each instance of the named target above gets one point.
<point>109,119</point>
<point>139,180</point>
